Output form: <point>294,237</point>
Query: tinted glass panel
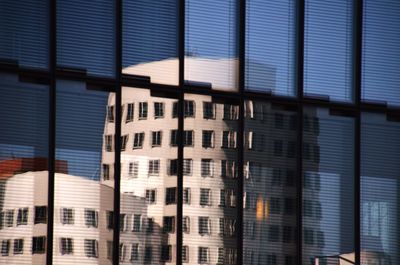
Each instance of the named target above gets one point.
<point>269,222</point>
<point>211,44</point>
<point>328,187</point>
<point>148,185</point>
<point>381,56</point>
<point>23,170</point>
<point>83,206</point>
<point>328,49</point>
<point>270,45</point>
<point>380,190</point>
<point>210,172</point>
<point>24,28</point>
<point>150,40</point>
<point>86,36</point>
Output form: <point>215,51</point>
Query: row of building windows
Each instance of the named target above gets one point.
<point>7,217</point>
<point>230,112</point>
<point>38,246</point>
<point>265,258</point>
<point>228,140</point>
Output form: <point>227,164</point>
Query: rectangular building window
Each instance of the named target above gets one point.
<point>203,255</point>
<point>134,169</point>
<point>168,224</point>
<point>143,109</point>
<point>122,252</point>
<point>228,169</point>
<point>173,167</point>
<point>124,141</point>
<point>137,223</point>
<point>205,197</point>
<point>18,246</point>
<point>9,218</point>
<point>106,171</point>
<point>22,218</point>
<point>91,248</point>
<point>5,247</point>
<point>231,112</point>
<point>135,252</point>
<point>185,254</point>
<point>67,246</point>
<point>188,138</point>
<point>187,167</point>
<point>138,140</point>
<point>158,110</point>
<point>40,214</point>
<point>189,108</point>
<point>91,218</point>
<point>129,113</point>
<point>170,196</point>
<point>123,222</point>
<point>38,245</point>
<point>154,167</point>
<point>207,168</point>
<point>204,225</point>
<point>151,196</point>
<point>166,253</point>
<point>110,113</point>
<point>150,225</point>
<point>229,139</point>
<point>186,224</point>
<point>148,254</point>
<point>110,219</point>
<point>186,196</point>
<point>208,139</point>
<point>208,110</point>
<point>174,138</point>
<point>278,147</point>
<point>108,143</point>
<point>67,216</point>
<point>156,138</point>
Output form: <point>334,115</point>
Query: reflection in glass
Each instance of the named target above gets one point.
<point>83,204</point>
<point>86,36</point>
<point>380,191</point>
<point>211,44</point>
<point>24,31</point>
<point>381,56</point>
<point>328,49</point>
<point>150,37</point>
<point>328,188</point>
<point>269,221</point>
<point>210,183</point>
<point>23,171</point>
<point>148,179</point>
<point>270,45</point>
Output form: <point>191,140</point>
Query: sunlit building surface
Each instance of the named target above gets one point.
<point>199,132</point>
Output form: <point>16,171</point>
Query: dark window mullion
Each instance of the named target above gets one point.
<point>357,68</point>
<point>118,122</point>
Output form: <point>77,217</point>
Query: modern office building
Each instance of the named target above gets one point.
<point>200,132</point>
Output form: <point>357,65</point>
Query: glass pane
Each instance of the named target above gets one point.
<point>86,36</point>
<point>328,187</point>
<point>211,44</point>
<point>270,45</point>
<point>149,191</point>
<point>210,172</point>
<point>24,32</point>
<point>380,167</point>
<point>83,205</point>
<point>23,171</point>
<point>150,40</point>
<point>269,222</point>
<point>381,56</point>
<point>328,49</point>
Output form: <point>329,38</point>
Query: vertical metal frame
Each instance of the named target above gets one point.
<point>357,75</point>
<point>52,12</point>
<point>300,14</point>
<point>118,114</point>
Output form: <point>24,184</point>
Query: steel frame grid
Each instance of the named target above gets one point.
<point>353,109</point>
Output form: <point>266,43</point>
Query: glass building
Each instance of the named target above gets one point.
<point>237,132</point>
